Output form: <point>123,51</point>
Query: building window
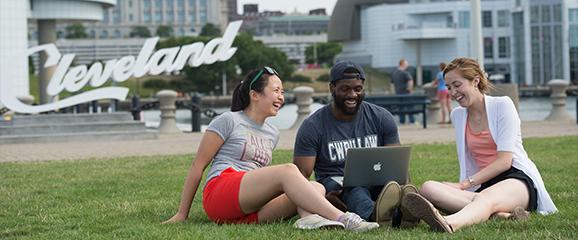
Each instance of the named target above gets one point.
<point>504,47</point>
<point>147,17</point>
<point>535,40</point>
<point>534,14</point>
<point>117,34</point>
<point>203,17</point>
<point>170,4</point>
<point>181,16</point>
<point>573,15</point>
<point>130,17</point>
<point>464,19</point>
<point>159,4</point>
<point>518,47</point>
<point>158,17</point>
<point>503,18</point>
<point>546,14</point>
<point>105,16</point>
<point>116,16</point>
<point>488,48</point>
<point>130,3</point>
<point>573,38</point>
<point>558,52</point>
<point>92,34</point>
<point>487,19</point>
<point>104,34</point>
<point>557,13</point>
<point>147,4</point>
<point>181,4</point>
<point>170,16</point>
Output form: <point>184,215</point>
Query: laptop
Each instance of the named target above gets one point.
<point>375,166</point>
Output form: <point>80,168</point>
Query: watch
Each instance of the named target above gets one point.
<point>471,181</point>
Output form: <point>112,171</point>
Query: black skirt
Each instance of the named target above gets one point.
<point>516,174</point>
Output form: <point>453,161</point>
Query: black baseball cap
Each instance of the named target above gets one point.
<point>343,70</point>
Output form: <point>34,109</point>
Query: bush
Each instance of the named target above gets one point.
<point>155,84</point>
<point>323,77</point>
<point>299,78</point>
<point>182,86</point>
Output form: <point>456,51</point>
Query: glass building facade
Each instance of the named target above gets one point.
<point>546,41</point>
<point>573,39</point>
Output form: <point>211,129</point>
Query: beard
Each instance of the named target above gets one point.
<point>340,104</point>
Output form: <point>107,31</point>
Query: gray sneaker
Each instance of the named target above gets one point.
<point>315,221</point>
<point>354,222</point>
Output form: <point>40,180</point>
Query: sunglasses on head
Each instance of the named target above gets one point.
<point>268,70</point>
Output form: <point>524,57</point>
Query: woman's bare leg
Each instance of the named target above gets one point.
<point>448,106</point>
<point>444,197</point>
<point>259,187</point>
<point>501,197</point>
<point>281,207</point>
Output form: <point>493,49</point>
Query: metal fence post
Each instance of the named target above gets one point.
<point>135,107</point>
<point>196,113</point>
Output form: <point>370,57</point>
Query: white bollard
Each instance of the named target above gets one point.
<point>507,89</point>
<point>167,100</point>
<point>303,99</point>
<point>433,108</point>
<point>558,99</point>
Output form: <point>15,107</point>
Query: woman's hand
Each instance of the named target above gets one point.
<point>176,219</point>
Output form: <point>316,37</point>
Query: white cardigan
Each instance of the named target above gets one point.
<point>504,125</point>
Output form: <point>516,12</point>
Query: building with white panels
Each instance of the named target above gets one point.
<point>14,18</point>
<point>528,41</point>
<point>185,17</point>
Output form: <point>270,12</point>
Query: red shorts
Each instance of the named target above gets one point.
<point>443,94</point>
<point>221,199</point>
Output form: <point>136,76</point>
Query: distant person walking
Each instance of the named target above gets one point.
<point>443,94</point>
<point>403,83</point>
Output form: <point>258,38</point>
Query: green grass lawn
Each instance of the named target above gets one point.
<point>129,197</point>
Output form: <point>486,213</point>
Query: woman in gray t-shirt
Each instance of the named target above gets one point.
<point>241,186</point>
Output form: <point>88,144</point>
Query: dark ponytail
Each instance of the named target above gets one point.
<point>241,98</point>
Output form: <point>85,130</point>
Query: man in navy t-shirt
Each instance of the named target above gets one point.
<point>348,122</point>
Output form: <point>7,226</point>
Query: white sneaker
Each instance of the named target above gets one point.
<point>354,222</point>
<point>315,221</point>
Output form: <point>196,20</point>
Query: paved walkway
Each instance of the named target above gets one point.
<point>187,143</point>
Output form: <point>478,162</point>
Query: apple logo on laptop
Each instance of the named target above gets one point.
<point>377,167</point>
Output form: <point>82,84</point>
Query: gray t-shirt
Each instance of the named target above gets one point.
<point>400,79</point>
<point>247,145</point>
<point>328,139</point>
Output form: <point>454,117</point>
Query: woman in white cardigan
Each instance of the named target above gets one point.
<point>496,175</point>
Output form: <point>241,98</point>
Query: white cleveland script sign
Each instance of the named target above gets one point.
<point>147,62</point>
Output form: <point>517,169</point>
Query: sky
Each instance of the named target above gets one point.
<point>288,6</point>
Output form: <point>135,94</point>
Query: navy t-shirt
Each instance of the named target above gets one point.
<point>323,136</point>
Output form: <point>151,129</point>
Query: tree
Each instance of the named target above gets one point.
<point>76,30</point>
<point>325,53</point>
<point>165,31</point>
<point>31,68</point>
<point>140,31</point>
<point>250,54</point>
<point>210,30</point>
